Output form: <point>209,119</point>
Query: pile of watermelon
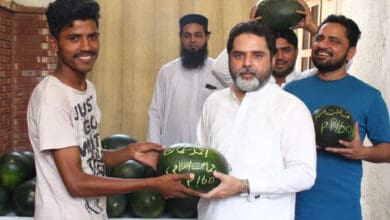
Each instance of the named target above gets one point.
<point>178,158</point>
<point>17,183</point>
<point>144,203</point>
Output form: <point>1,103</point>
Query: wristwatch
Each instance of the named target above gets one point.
<point>244,187</point>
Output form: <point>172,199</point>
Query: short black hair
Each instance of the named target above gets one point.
<point>252,27</point>
<point>288,35</point>
<point>352,29</point>
<point>62,13</point>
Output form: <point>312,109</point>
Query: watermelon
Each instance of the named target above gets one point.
<point>146,204</point>
<point>23,198</point>
<point>30,156</point>
<point>116,205</point>
<point>199,160</point>
<point>183,207</point>
<point>130,169</point>
<point>279,14</point>
<point>14,170</point>
<point>4,197</point>
<point>116,141</point>
<point>333,123</point>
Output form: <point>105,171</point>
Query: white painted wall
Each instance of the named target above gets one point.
<point>372,65</point>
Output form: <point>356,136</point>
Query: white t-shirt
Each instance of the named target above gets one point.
<point>268,139</point>
<point>177,101</point>
<point>59,116</point>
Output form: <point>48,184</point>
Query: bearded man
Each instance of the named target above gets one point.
<point>258,128</point>
<point>337,190</point>
<point>182,86</point>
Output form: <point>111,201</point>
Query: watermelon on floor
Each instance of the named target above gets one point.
<point>14,170</point>
<point>146,204</point>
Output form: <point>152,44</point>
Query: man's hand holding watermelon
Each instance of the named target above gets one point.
<point>228,186</point>
<point>354,149</point>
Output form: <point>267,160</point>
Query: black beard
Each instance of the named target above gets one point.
<point>329,66</point>
<point>193,59</point>
<point>283,74</point>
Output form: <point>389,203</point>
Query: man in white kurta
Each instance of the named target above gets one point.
<point>180,90</point>
<point>265,133</point>
<point>178,100</point>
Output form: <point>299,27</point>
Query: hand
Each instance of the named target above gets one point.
<point>354,150</point>
<point>252,13</point>
<point>228,186</point>
<point>146,153</point>
<point>307,22</point>
<point>170,185</point>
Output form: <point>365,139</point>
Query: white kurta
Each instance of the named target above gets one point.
<point>269,139</point>
<point>220,69</point>
<point>178,100</point>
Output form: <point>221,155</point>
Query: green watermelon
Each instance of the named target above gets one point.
<point>14,170</point>
<point>279,14</point>
<point>333,123</point>
<point>116,205</point>
<point>146,204</point>
<point>30,156</point>
<point>183,207</point>
<point>116,141</point>
<point>130,169</point>
<point>23,198</point>
<point>187,158</point>
<point>4,199</point>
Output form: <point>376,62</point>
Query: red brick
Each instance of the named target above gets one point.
<point>6,44</point>
<point>5,66</point>
<point>5,52</point>
<point>34,38</point>
<point>5,110</point>
<point>4,74</point>
<point>5,36</point>
<point>23,58</point>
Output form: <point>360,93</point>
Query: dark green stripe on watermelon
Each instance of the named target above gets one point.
<point>202,161</point>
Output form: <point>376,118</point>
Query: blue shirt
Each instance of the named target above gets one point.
<point>336,192</point>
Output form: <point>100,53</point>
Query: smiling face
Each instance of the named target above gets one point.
<point>77,47</point>
<point>250,62</point>
<point>331,50</point>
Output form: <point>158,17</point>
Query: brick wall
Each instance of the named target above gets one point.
<point>24,58</point>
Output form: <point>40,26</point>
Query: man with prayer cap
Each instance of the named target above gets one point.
<point>182,86</point>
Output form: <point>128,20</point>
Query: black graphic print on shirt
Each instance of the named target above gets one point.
<point>86,123</point>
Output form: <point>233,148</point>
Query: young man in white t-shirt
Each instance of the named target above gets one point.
<point>63,120</point>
